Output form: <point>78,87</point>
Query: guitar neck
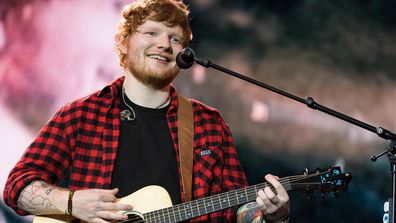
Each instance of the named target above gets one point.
<point>203,206</point>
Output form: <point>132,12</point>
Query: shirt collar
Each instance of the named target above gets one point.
<point>114,88</point>
<point>174,103</point>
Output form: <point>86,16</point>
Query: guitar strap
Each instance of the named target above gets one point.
<point>185,122</point>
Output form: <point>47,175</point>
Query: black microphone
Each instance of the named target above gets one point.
<point>185,59</point>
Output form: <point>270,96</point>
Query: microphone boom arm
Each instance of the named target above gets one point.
<point>309,101</point>
<point>186,58</point>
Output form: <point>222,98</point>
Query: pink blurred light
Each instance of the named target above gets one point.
<point>260,112</point>
<point>58,51</point>
<point>199,74</point>
<point>2,36</point>
<point>14,138</point>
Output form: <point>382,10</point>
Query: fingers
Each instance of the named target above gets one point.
<point>99,205</point>
<point>109,215</point>
<point>116,207</point>
<point>108,205</point>
<point>280,190</point>
<point>109,195</point>
<point>273,176</point>
<point>261,203</point>
<point>268,201</point>
<point>275,205</point>
<point>271,201</point>
<point>114,191</point>
<point>270,195</point>
<point>111,211</point>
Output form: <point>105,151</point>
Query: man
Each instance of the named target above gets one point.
<point>124,137</point>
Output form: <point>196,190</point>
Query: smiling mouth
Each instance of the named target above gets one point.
<point>159,57</point>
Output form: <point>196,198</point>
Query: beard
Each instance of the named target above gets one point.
<point>145,75</point>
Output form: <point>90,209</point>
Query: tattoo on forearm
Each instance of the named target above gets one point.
<point>48,188</point>
<point>249,212</point>
<point>48,191</point>
<point>34,189</point>
<point>35,198</point>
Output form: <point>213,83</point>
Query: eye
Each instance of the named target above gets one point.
<point>176,39</point>
<point>151,33</point>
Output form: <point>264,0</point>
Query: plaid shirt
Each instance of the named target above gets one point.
<point>83,137</point>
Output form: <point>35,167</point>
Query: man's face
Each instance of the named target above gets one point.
<point>152,51</point>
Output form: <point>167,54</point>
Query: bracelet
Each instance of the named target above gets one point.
<point>69,210</point>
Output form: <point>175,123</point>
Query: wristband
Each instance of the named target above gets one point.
<point>69,210</point>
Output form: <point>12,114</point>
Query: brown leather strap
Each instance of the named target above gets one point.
<point>185,122</point>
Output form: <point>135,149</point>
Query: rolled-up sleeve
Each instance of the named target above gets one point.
<point>46,158</point>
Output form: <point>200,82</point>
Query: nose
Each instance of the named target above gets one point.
<point>163,42</point>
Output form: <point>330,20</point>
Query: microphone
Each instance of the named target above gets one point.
<point>185,59</point>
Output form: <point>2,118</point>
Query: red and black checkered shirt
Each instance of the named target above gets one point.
<point>83,137</point>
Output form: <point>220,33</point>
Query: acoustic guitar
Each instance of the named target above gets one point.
<point>153,203</point>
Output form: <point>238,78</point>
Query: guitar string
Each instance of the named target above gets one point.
<point>249,193</point>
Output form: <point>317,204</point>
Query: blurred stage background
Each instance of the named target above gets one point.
<point>342,53</point>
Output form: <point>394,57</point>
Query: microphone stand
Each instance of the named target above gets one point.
<point>188,55</point>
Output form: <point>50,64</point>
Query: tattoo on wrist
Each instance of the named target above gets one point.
<point>36,198</point>
<point>249,212</point>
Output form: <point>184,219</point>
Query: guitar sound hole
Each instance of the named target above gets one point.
<point>133,218</point>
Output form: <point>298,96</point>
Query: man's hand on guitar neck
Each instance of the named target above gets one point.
<point>90,205</point>
<point>275,206</point>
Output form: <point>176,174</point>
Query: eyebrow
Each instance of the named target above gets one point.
<point>156,28</point>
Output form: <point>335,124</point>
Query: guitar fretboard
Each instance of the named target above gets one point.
<point>195,208</point>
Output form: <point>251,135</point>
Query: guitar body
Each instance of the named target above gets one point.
<point>145,200</point>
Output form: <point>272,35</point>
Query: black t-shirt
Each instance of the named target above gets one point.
<point>145,154</point>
